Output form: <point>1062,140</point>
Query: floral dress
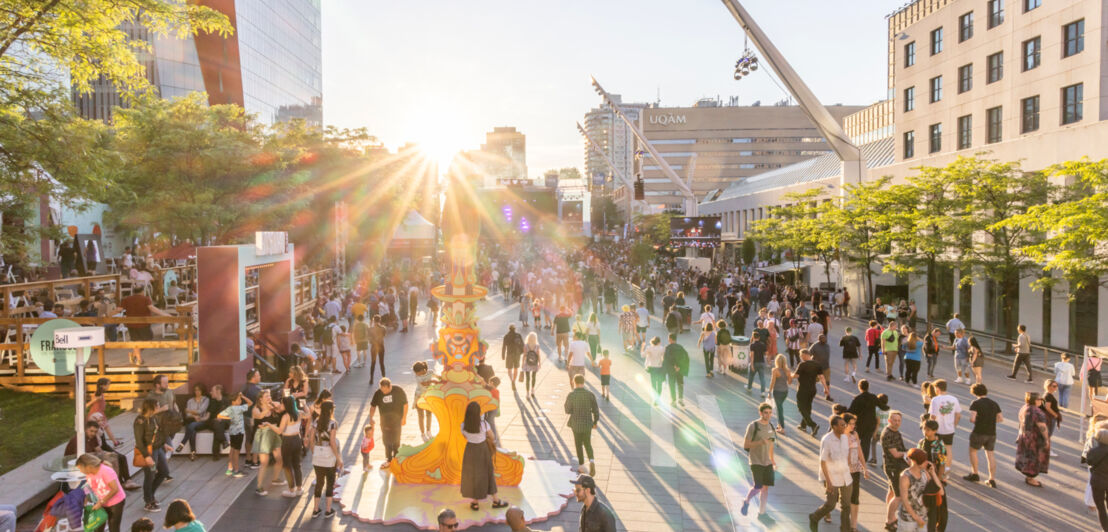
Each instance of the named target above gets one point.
<point>1032,456</point>
<point>771,344</point>
<point>915,495</point>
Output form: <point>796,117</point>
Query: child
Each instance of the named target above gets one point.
<point>236,431</point>
<point>367,446</point>
<point>142,525</point>
<point>491,415</point>
<point>605,374</point>
<point>97,407</point>
<point>424,378</point>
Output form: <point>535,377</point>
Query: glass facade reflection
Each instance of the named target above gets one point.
<point>278,59</point>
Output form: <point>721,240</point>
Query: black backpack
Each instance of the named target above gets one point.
<point>1092,375</point>
<point>532,357</point>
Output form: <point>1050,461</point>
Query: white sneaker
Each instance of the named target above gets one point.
<point>1053,454</point>
<point>846,378</point>
<point>288,494</point>
<point>958,380</point>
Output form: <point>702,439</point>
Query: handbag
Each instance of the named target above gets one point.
<point>93,519</point>
<point>490,441</point>
<point>140,461</point>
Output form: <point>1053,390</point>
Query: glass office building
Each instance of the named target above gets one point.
<point>271,65</point>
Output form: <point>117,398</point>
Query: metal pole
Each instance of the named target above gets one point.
<point>79,399</point>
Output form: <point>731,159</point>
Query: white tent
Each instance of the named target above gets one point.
<point>414,227</point>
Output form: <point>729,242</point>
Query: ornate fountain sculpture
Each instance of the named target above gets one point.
<point>458,351</point>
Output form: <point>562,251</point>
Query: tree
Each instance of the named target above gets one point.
<point>791,228</point>
<point>862,222</point>
<point>605,214</point>
<point>47,46</point>
<point>749,251</point>
<point>995,192</point>
<point>1072,231</point>
<point>924,226</point>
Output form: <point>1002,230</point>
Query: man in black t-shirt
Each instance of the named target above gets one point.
<point>806,375</point>
<point>393,403</point>
<point>757,363</point>
<point>851,345</point>
<point>984,414</point>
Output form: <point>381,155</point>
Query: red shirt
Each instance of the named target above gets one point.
<point>136,305</point>
<point>873,335</point>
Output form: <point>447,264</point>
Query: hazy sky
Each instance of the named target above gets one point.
<point>443,72</point>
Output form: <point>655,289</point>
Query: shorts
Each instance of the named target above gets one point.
<point>850,356</point>
<point>640,329</point>
<point>855,487</point>
<point>763,475</point>
<point>827,376</point>
<point>947,439</point>
<point>363,346</point>
<point>977,441</point>
<point>979,362</point>
<point>893,474</point>
<point>605,380</point>
<point>512,360</point>
<point>576,370</point>
<point>562,339</point>
<point>236,441</point>
<point>961,365</point>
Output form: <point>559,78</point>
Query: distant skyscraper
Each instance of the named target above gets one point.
<point>614,137</point>
<point>503,156</point>
<point>271,65</point>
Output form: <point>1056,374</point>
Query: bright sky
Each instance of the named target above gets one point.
<point>443,72</point>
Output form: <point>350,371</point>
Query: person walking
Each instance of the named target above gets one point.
<point>985,415</point>
<point>890,345</point>
<point>595,516</point>
<point>794,339</point>
<point>104,484</point>
<point>1050,408</point>
<point>707,344</point>
<point>850,346</point>
<point>864,407</point>
<point>577,355</point>
<point>584,414</point>
<point>779,381</point>
<point>361,340</point>
<point>511,350</point>
<point>723,347</point>
<point>1064,374</point>
<point>653,356</point>
<point>858,470</point>
<point>807,373</point>
<point>676,363</point>
<point>758,443</point>
<point>478,473</point>
<point>834,473</point>
<point>1095,455</point>
<point>326,459</point>
<point>873,345</point>
<point>532,360</point>
<point>931,351</point>
<point>947,411</point>
<point>821,353</point>
<point>151,445</point>
<point>393,403</point>
<point>267,440</point>
<point>377,333</point>
<point>962,367</point>
<point>892,450</point>
<point>1023,353</point>
<point>913,357</point>
<point>642,322</point>
<point>592,333</point>
<point>758,353</point>
<point>292,447</point>
<point>1033,442</point>
<point>911,484</point>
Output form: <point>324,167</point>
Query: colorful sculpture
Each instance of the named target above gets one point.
<point>458,350</point>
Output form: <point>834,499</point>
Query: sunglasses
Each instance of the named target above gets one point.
<point>451,526</point>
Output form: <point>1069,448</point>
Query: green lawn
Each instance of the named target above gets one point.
<point>33,424</point>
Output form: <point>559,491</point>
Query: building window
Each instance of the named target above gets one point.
<point>936,89</point>
<point>1028,5</point>
<point>936,40</point>
<point>965,78</point>
<point>1032,53</point>
<point>1029,114</point>
<point>996,67</point>
<point>996,13</point>
<point>965,27</point>
<point>993,131</point>
<point>909,144</point>
<point>1073,38</point>
<point>909,54</point>
<point>936,137</point>
<point>965,131</point>
<point>1071,104</point>
<point>909,99</point>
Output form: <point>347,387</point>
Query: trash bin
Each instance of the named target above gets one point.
<point>686,317</point>
<point>740,353</point>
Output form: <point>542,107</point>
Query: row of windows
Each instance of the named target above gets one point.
<point>740,140</point>
<point>1073,35</point>
<point>1072,111</point>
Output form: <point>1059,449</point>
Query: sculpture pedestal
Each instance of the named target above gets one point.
<point>376,497</point>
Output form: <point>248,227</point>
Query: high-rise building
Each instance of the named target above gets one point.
<point>613,137</point>
<point>503,156</point>
<point>271,65</point>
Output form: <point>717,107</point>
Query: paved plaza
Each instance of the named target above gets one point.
<point>683,468</point>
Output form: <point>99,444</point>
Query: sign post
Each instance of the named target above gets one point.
<point>78,338</point>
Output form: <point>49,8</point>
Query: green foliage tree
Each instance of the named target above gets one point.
<point>862,222</point>
<point>924,227</point>
<point>749,251</point>
<point>46,46</point>
<point>1071,233</point>
<point>995,192</point>
<point>791,228</point>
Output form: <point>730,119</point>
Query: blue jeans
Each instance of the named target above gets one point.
<point>1064,395</point>
<point>760,370</point>
<point>154,475</point>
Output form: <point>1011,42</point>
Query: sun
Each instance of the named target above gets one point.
<point>440,135</point>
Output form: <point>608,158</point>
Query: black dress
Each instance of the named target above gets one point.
<point>478,475</point>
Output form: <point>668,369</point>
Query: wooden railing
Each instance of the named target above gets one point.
<point>52,289</point>
<point>182,323</point>
<point>302,288</point>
